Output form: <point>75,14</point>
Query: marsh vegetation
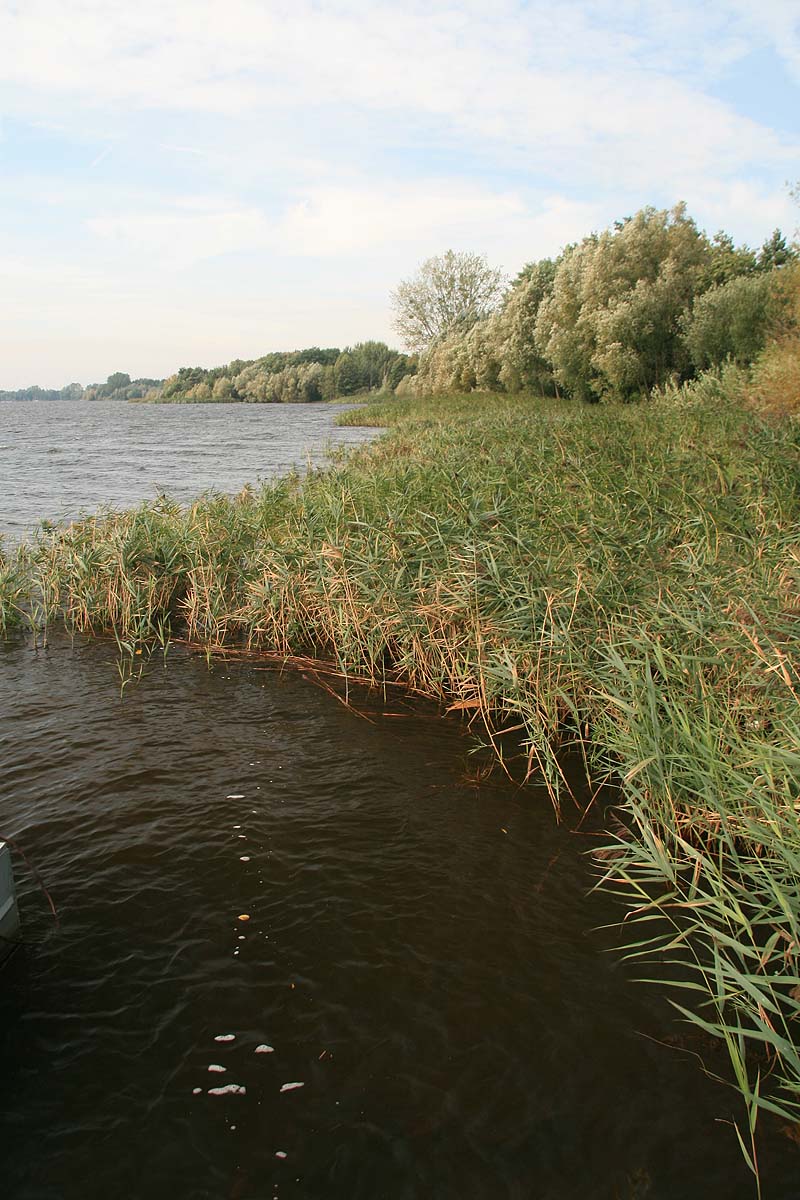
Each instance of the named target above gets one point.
<point>621,580</point>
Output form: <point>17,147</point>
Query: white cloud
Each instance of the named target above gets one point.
<point>534,81</point>
<point>775,23</point>
<point>341,220</point>
<point>177,236</point>
<point>731,207</point>
<point>395,218</point>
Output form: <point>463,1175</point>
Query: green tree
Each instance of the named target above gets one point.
<point>730,321</point>
<point>118,380</point>
<point>775,252</point>
<point>371,360</point>
<point>346,374</point>
<point>726,261</point>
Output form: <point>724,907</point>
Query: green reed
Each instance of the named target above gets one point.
<point>620,578</point>
<point>14,588</point>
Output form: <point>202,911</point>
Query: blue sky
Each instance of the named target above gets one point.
<point>189,182</point>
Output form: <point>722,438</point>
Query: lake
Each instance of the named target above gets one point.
<point>60,459</point>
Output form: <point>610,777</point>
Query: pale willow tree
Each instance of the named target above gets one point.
<point>498,352</point>
<point>463,361</point>
<point>297,383</point>
<point>449,293</point>
<point>612,323</point>
<point>522,365</point>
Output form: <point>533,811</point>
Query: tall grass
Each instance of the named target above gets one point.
<point>621,578</point>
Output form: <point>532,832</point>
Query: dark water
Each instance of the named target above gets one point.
<point>418,955</point>
<point>58,460</point>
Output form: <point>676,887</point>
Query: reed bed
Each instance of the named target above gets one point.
<point>620,578</point>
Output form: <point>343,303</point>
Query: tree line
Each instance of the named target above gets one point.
<point>118,386</point>
<point>299,376</point>
<point>73,391</point>
<point>649,301</point>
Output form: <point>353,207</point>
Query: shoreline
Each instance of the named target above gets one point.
<point>622,582</point>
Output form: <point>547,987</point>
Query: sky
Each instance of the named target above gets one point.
<point>183,182</point>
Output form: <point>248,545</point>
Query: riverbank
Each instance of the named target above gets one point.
<point>621,578</point>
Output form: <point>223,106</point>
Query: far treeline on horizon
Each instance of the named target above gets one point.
<point>650,302</point>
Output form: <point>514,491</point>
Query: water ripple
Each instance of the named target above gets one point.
<point>432,981</point>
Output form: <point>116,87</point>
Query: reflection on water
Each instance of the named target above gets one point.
<point>415,954</point>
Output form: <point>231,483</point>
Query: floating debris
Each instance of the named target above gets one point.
<point>244,858</point>
<point>264,1049</point>
<point>280,1154</point>
<point>235,796</point>
<point>229,1089</point>
<point>289,1087</point>
<point>244,916</point>
<point>216,1067</point>
<point>196,1091</point>
<point>225,1037</point>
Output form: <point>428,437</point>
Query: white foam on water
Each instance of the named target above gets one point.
<point>225,1037</point>
<point>229,1089</point>
<point>266,1050</point>
<point>289,1087</point>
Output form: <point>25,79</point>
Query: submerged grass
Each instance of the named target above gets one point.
<point>626,578</point>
